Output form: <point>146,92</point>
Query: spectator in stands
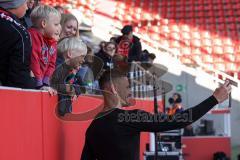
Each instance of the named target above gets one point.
<point>129,45</point>
<point>144,55</point>
<point>15,45</point>
<point>46,26</point>
<point>86,73</point>
<point>113,39</point>
<point>151,57</point>
<point>114,134</point>
<point>107,54</point>
<point>101,46</point>
<point>69,25</point>
<point>26,20</point>
<point>60,9</point>
<point>176,107</point>
<point>147,57</point>
<point>175,104</point>
<point>64,79</point>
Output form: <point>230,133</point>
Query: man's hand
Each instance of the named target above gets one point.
<point>222,92</point>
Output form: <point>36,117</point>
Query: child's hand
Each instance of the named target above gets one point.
<point>50,90</point>
<point>74,98</point>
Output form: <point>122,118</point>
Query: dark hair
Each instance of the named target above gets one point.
<point>58,7</point>
<point>145,51</point>
<point>178,100</point>
<point>152,56</point>
<point>127,29</point>
<point>109,75</point>
<point>108,43</point>
<point>113,39</point>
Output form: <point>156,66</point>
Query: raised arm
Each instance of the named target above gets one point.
<point>144,121</point>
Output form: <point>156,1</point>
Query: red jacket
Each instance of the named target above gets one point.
<point>43,57</point>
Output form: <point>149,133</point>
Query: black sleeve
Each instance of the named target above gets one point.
<point>135,52</point>
<point>140,120</point>
<point>139,51</point>
<point>19,65</point>
<point>56,81</point>
<point>87,153</point>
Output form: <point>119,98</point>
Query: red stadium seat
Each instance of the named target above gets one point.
<point>237,6</point>
<point>207,58</point>
<point>197,51</point>
<point>218,6</point>
<point>221,27</point>
<point>218,50</point>
<point>229,57</point>
<point>217,41</point>
<point>175,44</point>
<point>237,58</point>
<point>186,51</point>
<point>227,42</point>
<point>227,6</point>
<point>175,35</point>
<point>219,66</point>
<point>231,67</point>
<point>195,35</point>
<point>229,50</point>
<point>207,42</point>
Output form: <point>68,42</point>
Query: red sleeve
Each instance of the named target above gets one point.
<point>51,65</point>
<point>35,57</point>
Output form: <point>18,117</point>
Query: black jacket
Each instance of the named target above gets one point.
<point>15,50</point>
<point>107,60</point>
<point>135,51</point>
<point>115,134</point>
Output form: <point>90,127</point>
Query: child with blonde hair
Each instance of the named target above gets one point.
<point>46,28</point>
<point>64,80</point>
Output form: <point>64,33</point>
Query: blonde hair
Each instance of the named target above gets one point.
<point>71,43</point>
<point>42,12</point>
<point>67,17</point>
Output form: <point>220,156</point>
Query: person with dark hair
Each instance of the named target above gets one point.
<point>147,57</point>
<point>15,46</point>
<point>86,72</point>
<point>151,57</point>
<point>113,39</point>
<point>129,45</point>
<point>175,102</point>
<point>114,134</point>
<point>144,56</point>
<point>26,20</point>
<point>101,46</point>
<point>107,54</point>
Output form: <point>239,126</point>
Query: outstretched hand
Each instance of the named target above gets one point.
<point>222,92</point>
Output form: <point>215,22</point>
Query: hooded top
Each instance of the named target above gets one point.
<point>43,57</point>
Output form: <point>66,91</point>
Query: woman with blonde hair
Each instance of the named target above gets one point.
<point>69,25</point>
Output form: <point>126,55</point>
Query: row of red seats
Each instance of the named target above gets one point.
<point>197,47</point>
